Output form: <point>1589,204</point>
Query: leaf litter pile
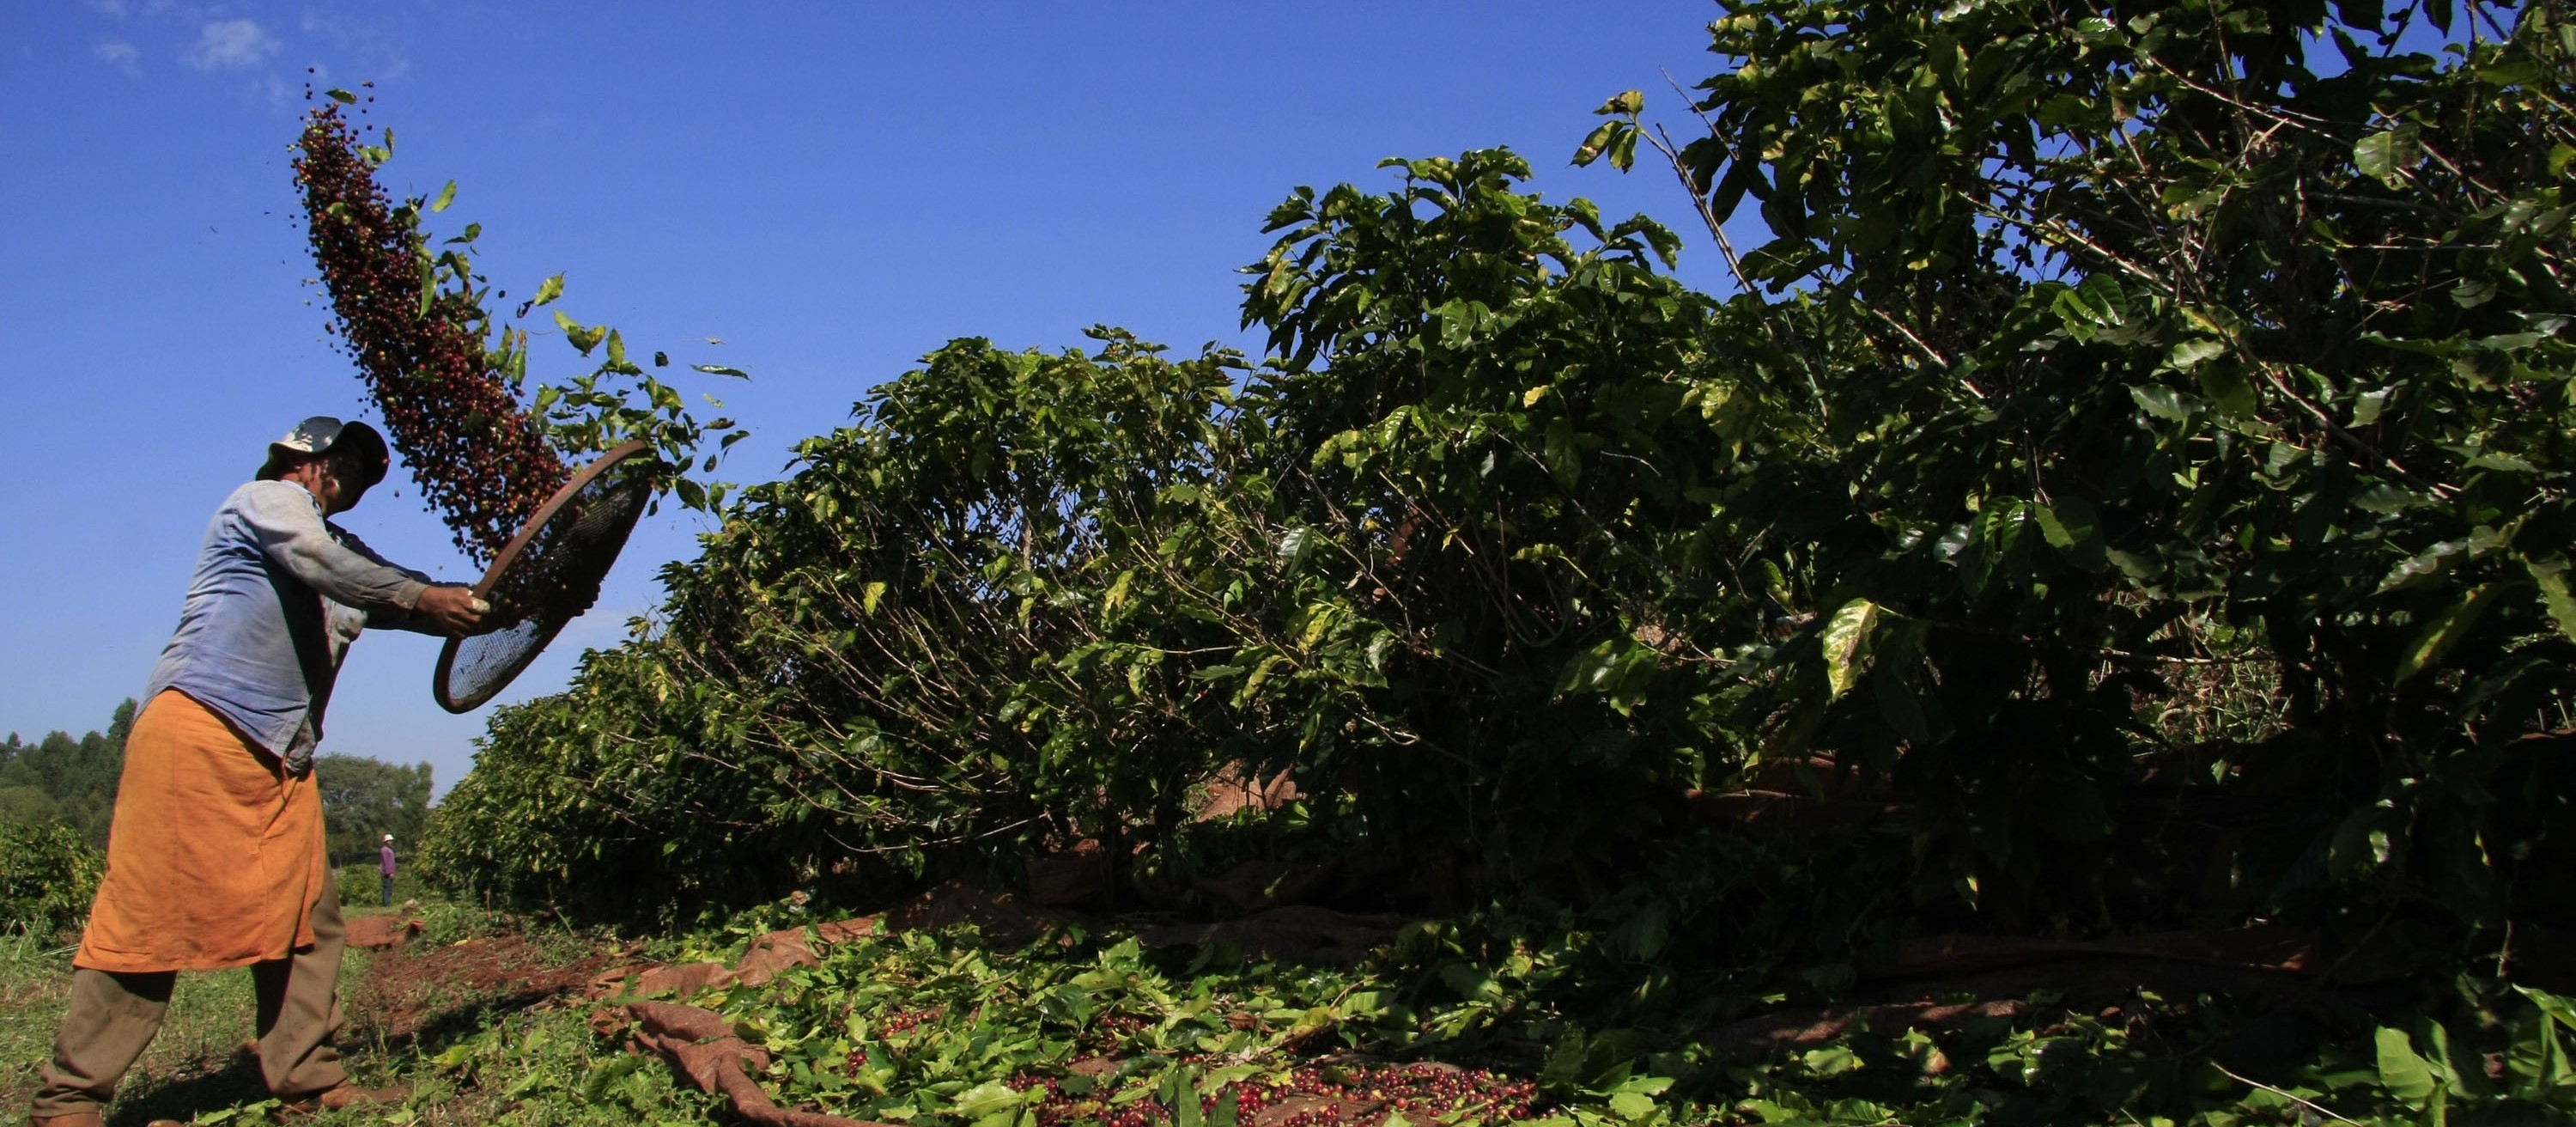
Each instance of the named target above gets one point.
<point>888,1019</point>
<point>1067,1032</point>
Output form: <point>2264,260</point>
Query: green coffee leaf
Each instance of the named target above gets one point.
<point>1596,142</point>
<point>985,1099</point>
<point>2163,402</point>
<point>2445,631</point>
<point>2417,571</point>
<point>2189,354</point>
<point>1294,546</point>
<point>2561,1010</point>
<point>2404,1074</point>
<point>2387,157</point>
<point>583,338</point>
<point>1632,1106</point>
<point>2551,577</point>
<point>1845,637</point>
<point>2225,386</point>
<point>2071,526</point>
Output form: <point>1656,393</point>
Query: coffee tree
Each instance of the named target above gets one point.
<point>1489,588</point>
<point>939,640</point>
<point>2131,476</point>
<point>2163,337</point>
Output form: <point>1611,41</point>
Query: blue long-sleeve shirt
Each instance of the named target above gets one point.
<point>277,596</point>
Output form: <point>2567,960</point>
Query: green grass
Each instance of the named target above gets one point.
<point>541,1066</point>
<point>198,1050</point>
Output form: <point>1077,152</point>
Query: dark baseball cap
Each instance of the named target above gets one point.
<point>323,434</point>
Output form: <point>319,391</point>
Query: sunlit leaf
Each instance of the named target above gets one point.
<point>2559,1009</point>
<point>2551,578</point>
<point>2387,156</point>
<point>2404,1074</point>
<point>1845,636</point>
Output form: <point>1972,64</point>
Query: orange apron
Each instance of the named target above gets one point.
<point>215,858</point>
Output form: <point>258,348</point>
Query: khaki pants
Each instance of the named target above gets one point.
<point>113,1016</point>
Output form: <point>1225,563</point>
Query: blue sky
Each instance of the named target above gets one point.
<point>830,189</point>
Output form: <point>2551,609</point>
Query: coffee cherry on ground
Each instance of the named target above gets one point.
<point>1422,1093</point>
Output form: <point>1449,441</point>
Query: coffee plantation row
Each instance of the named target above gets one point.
<point>2126,495</point>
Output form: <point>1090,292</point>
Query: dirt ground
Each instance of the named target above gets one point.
<point>413,991</point>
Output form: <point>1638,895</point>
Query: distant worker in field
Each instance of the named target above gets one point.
<point>387,867</point>
<point>215,858</point>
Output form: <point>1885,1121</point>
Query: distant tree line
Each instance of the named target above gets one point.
<point>71,781</point>
<point>65,779</point>
<point>364,799</point>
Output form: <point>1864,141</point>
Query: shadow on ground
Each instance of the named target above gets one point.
<point>418,999</point>
<point>189,1093</point>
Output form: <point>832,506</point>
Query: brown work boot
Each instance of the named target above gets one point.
<point>73,1119</point>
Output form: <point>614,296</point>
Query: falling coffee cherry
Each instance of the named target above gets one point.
<point>482,461</point>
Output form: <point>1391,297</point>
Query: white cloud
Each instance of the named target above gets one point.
<point>122,56</point>
<point>115,8</point>
<point>229,45</point>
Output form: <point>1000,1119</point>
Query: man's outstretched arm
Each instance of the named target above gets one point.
<point>291,532</point>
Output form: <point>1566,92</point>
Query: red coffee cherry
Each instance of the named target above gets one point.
<point>483,463</point>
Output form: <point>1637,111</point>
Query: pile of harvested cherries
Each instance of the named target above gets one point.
<point>1314,1095</point>
<point>482,462</point>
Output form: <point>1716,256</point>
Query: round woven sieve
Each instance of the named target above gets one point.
<point>548,575</point>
